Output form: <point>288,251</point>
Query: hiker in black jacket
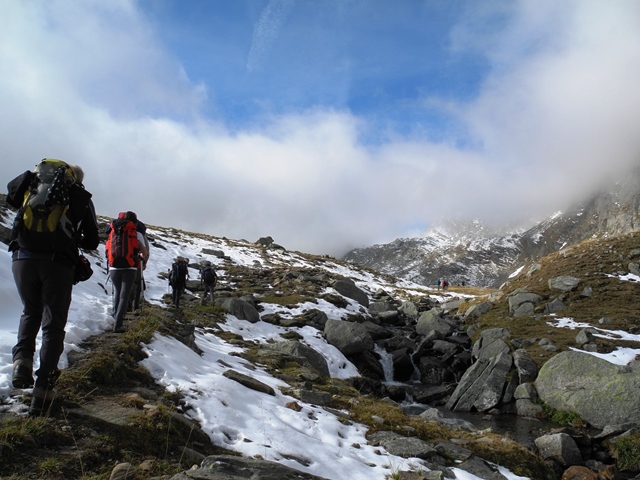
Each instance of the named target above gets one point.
<point>43,268</point>
<point>178,279</point>
<point>208,278</point>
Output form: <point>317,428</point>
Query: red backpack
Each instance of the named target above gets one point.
<point>122,244</point>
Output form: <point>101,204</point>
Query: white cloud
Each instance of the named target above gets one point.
<point>92,84</point>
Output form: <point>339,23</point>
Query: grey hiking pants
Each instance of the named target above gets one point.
<point>208,290</point>
<point>123,280</point>
<point>45,289</point>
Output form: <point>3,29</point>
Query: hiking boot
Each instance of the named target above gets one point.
<point>118,330</point>
<point>43,398</point>
<point>22,374</point>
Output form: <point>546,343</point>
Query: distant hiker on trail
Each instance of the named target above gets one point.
<point>208,278</point>
<point>139,286</point>
<point>178,275</point>
<point>125,250</point>
<point>438,283</point>
<point>56,217</point>
<point>135,297</point>
<point>445,284</point>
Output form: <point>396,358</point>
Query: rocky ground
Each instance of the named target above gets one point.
<point>113,421</point>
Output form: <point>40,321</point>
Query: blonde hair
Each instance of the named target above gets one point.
<point>79,173</point>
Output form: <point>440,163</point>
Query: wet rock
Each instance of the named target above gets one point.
<point>482,384</point>
<point>435,415</point>
<point>559,447</point>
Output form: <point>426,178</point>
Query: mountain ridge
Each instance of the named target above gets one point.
<point>488,261</point>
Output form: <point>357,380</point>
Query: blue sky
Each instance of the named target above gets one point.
<point>375,59</point>
<point>325,124</point>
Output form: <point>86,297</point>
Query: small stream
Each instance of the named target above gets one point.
<point>523,430</point>
<point>520,429</point>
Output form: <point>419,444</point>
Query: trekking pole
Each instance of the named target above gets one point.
<point>143,287</point>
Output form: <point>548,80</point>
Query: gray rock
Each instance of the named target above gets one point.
<point>265,241</point>
<point>587,292</point>
<point>554,306</point>
<point>239,308</point>
<point>526,391</point>
<point>527,368</point>
<point>453,452</point>
<point>310,357</point>
<point>564,283</point>
<point>521,302</point>
<point>482,384</point>
<point>379,307</point>
<point>585,336</point>
<point>348,288</point>
<point>230,467</point>
<point>482,469</point>
<point>451,306</point>
<point>489,347</point>
<point>559,447</point>
<point>474,311</point>
<point>495,333</point>
<point>442,346</point>
<point>599,392</point>
<point>249,382</point>
<point>316,398</point>
<point>435,415</point>
<point>406,447</point>
<point>409,309</point>
<point>431,322</point>
<point>526,309</point>
<point>348,337</point>
<point>526,408</point>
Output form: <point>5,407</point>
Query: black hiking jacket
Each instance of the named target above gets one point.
<point>57,246</point>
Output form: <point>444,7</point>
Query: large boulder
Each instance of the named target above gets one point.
<point>308,355</point>
<point>599,392</point>
<point>522,303</point>
<point>241,309</point>
<point>478,309</point>
<point>564,283</point>
<point>347,288</point>
<point>348,337</point>
<point>482,385</point>
<point>526,367</point>
<point>559,447</point>
<point>430,322</point>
